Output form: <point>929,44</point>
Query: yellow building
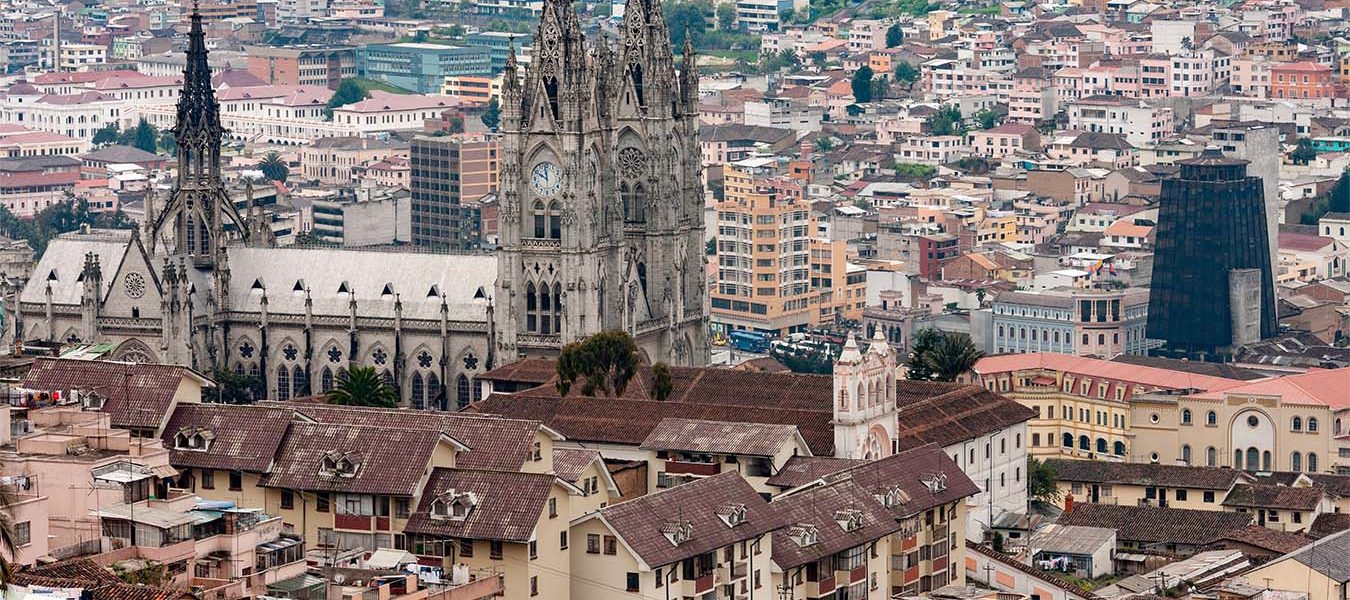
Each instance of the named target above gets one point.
<point>1083,405</point>
<point>710,535</point>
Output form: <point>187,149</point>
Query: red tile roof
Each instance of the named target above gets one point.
<point>243,438</point>
<point>1330,387</point>
<point>820,508</point>
<point>1148,524</point>
<point>640,522</point>
<point>913,471</point>
<point>139,395</point>
<point>1265,538</point>
<point>801,470</point>
<point>98,582</point>
<point>570,463</point>
<point>1279,497</point>
<point>961,414</point>
<point>389,462</point>
<point>1145,474</point>
<point>720,437</point>
<point>506,508</point>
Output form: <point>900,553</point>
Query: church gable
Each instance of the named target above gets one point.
<point>133,290</point>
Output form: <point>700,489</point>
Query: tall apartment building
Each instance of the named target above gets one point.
<point>302,65</point>
<point>773,275</point>
<point>447,171</point>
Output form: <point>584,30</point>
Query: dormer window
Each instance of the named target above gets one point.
<point>453,505</point>
<point>678,532</point>
<point>804,534</point>
<point>732,514</point>
<point>849,519</point>
<point>193,439</point>
<point>94,402</point>
<point>935,482</point>
<point>892,497</point>
<point>339,464</point>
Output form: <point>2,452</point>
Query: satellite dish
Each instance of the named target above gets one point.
<point>339,578</point>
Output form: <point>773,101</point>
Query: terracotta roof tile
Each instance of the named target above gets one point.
<point>961,414</point>
<point>1329,523</point>
<point>507,505</point>
<point>389,462</point>
<point>1280,497</point>
<point>640,522</point>
<point>243,438</point>
<point>99,583</point>
<point>570,463</point>
<point>820,508</point>
<point>801,470</point>
<point>1280,542</point>
<point>1329,387</point>
<point>139,395</point>
<point>913,471</point>
<point>1148,524</point>
<point>1030,570</point>
<point>1144,474</point>
<point>720,437</point>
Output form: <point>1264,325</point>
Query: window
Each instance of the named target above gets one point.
<point>1312,462</point>
<point>611,545</point>
<point>534,549</point>
<point>1186,454</point>
<point>23,533</point>
<point>534,585</point>
<point>208,479</point>
<point>1296,461</point>
<point>321,502</point>
<point>287,499</point>
<point>659,578</point>
<point>1185,416</point>
<point>236,481</point>
<point>495,550</point>
<point>552,508</point>
<point>1312,424</point>
<point>632,582</point>
<point>562,540</point>
<point>1298,424</point>
<point>1211,457</point>
<point>1181,495</point>
<point>1211,418</point>
<point>1209,497</point>
<point>592,543</point>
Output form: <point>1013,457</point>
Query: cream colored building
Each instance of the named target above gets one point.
<point>683,450</point>
<point>1313,570</point>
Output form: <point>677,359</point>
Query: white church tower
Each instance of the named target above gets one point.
<point>865,413</point>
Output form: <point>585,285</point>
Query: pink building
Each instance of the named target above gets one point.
<point>1251,76</point>
<point>1032,99</point>
<point>1005,140</point>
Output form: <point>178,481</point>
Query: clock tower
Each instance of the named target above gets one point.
<point>601,214</point>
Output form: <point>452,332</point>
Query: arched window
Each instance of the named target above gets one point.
<point>1211,418</point>
<point>1120,448</point>
<point>434,396</point>
<point>1237,459</point>
<point>1101,445</point>
<point>557,307</point>
<point>283,383</point>
<point>1312,424</point>
<point>642,278</point>
<point>1296,462</point>
<point>326,380</point>
<point>388,377</point>
<point>1185,416</point>
<point>635,73</point>
<point>1298,424</point>
<point>1186,454</point>
<point>634,202</point>
<point>419,398</point>
<point>1084,443</point>
<point>1211,457</point>
<point>554,221</point>
<point>1253,459</point>
<point>1068,440</point>
<point>1265,460</point>
<point>1312,462</point>
<point>462,390</point>
<point>545,310</point>
<point>299,380</point>
<point>531,309</point>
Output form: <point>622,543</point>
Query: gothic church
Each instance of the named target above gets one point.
<point>602,228</point>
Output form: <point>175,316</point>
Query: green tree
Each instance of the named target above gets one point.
<point>951,356</point>
<point>143,136</point>
<point>813,362</point>
<point>825,143</point>
<point>894,36</point>
<point>946,121</point>
<point>1340,195</point>
<point>274,167</point>
<point>9,546</point>
<point>234,388</point>
<point>605,362</point>
<point>687,18</point>
<point>362,386</point>
<point>492,115</point>
<point>987,118</point>
<point>1042,481</point>
<point>168,143</point>
<point>915,170</point>
<point>862,84</point>
<point>906,72</point>
<point>347,92</point>
<point>1303,152</point>
<point>726,16</point>
<point>817,58</point>
<point>106,135</point>
<point>662,385</point>
<point>917,368</point>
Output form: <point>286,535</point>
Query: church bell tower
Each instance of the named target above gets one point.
<point>601,197</point>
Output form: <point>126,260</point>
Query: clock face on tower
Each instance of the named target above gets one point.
<point>546,179</point>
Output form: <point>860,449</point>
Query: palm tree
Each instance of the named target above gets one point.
<point>273,167</point>
<point>951,356</point>
<point>9,549</point>
<point>362,386</point>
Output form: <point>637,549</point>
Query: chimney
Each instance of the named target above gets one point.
<point>1068,502</point>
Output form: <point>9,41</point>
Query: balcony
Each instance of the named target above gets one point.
<point>693,468</point>
<point>703,584</point>
<point>352,522</point>
<point>534,340</point>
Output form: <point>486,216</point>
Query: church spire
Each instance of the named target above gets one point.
<point>198,112</point>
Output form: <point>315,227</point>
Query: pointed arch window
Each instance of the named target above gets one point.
<point>634,201</point>
<point>531,308</point>
<point>418,392</point>
<point>462,390</point>
<point>388,377</point>
<point>551,88</point>
<point>545,310</point>
<point>635,74</point>
<point>283,383</point>
<point>557,307</point>
<point>299,380</point>
<point>326,380</point>
<point>434,392</point>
